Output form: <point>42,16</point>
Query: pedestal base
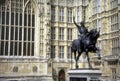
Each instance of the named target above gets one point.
<point>84,75</point>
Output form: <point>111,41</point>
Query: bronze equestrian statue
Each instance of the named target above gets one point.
<point>85,43</point>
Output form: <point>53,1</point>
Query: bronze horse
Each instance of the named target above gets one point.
<point>85,44</point>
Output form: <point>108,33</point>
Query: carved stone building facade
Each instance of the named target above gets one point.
<point>36,36</point>
<point>105,15</point>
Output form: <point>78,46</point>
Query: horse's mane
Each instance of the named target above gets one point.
<point>93,34</point>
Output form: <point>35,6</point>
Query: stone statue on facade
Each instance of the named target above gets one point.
<point>86,42</point>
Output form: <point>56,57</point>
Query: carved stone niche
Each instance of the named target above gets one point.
<point>15,69</point>
<point>54,2</point>
<point>61,2</point>
<point>70,2</point>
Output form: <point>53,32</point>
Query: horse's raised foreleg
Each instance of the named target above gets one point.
<point>90,66</point>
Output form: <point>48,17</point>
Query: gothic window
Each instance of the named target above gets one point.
<point>115,46</point>
<point>69,52</point>
<point>78,14</point>
<point>17,28</point>
<point>69,37</point>
<point>113,3</point>
<point>53,33</point>
<point>61,52</point>
<point>69,15</point>
<point>114,22</point>
<point>61,33</point>
<point>52,51</point>
<point>61,14</point>
<point>94,7</point>
<point>53,13</point>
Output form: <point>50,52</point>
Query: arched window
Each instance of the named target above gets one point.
<point>17,28</point>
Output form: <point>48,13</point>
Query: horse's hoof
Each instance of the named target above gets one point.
<point>77,67</point>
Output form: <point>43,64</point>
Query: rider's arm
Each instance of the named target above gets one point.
<point>75,22</point>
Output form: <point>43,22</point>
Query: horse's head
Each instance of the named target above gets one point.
<point>94,34</point>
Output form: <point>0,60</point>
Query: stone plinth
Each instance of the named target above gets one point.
<point>84,75</point>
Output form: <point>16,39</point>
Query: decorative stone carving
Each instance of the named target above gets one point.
<point>54,2</point>
<point>61,2</point>
<point>70,2</point>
